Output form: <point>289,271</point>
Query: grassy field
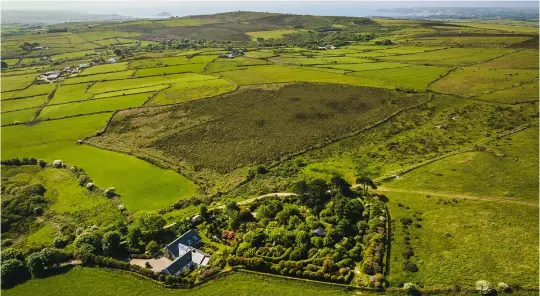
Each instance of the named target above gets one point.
<point>524,59</point>
<point>70,93</point>
<point>33,90</point>
<point>100,77</point>
<point>480,80</point>
<point>108,86</point>
<point>415,77</point>
<point>19,116</point>
<point>451,56</point>
<point>501,27</point>
<point>463,241</point>
<point>521,93</point>
<point>194,68</point>
<point>367,66</point>
<point>159,62</point>
<point>115,67</point>
<point>131,91</point>
<point>94,106</point>
<point>182,92</point>
<point>10,83</point>
<point>507,169</point>
<point>276,34</point>
<point>17,104</point>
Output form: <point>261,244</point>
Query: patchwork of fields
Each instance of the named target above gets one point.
<point>442,116</point>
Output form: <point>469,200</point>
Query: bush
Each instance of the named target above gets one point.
<point>152,248</point>
<point>84,179</point>
<point>410,266</point>
<point>10,253</point>
<point>410,287</point>
<point>484,287</point>
<point>504,287</point>
<point>14,271</point>
<point>407,254</point>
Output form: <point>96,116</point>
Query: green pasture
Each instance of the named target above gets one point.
<point>451,56</point>
<point>524,59</point>
<point>41,238</point>
<point>501,27</point>
<point>70,93</point>
<point>73,55</point>
<point>18,104</point>
<point>507,169</point>
<point>94,106</point>
<point>462,241</point>
<point>275,34</point>
<point>18,116</point>
<point>521,93</point>
<point>182,92</point>
<point>366,66</point>
<point>108,86</point>
<point>415,77</point>
<point>409,50</point>
<point>33,90</point>
<point>259,54</point>
<point>193,68</point>
<point>17,82</point>
<point>204,59</point>
<point>157,62</point>
<point>100,77</point>
<point>131,91</point>
<point>484,41</point>
<point>479,80</point>
<point>114,67</point>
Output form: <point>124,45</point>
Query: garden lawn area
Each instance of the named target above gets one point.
<point>524,59</point>
<point>114,67</point>
<point>451,56</point>
<point>16,82</point>
<point>366,66</point>
<point>415,77</point>
<point>182,92</point>
<point>480,80</point>
<point>17,104</point>
<point>276,73</point>
<point>84,281</point>
<point>508,169</point>
<point>33,90</point>
<point>276,34</point>
<point>520,93</point>
<point>94,106</point>
<point>194,68</point>
<point>18,116</point>
<point>100,77</point>
<point>70,93</point>
<point>463,241</point>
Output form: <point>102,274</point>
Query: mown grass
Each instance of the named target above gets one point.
<point>93,106</point>
<point>17,104</point>
<point>18,116</point>
<point>182,92</point>
<point>114,67</point>
<point>463,241</point>
<point>415,77</point>
<point>507,169</point>
<point>479,80</point>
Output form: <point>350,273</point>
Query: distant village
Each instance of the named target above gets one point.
<point>52,76</point>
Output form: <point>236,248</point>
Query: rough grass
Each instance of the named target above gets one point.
<point>524,59</point>
<point>131,91</point>
<point>451,56</point>
<point>16,82</point>
<point>158,62</point>
<point>275,34</point>
<point>182,92</point>
<point>507,169</point>
<point>252,126</point>
<point>17,104</point>
<point>108,86</point>
<point>463,241</point>
<point>366,66</point>
<point>479,80</point>
<point>93,106</point>
<point>275,73</point>
<point>521,93</point>
<point>415,77</point>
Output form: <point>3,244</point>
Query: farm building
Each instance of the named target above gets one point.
<point>319,232</point>
<point>184,254</point>
<point>327,47</point>
<point>112,60</point>
<point>83,66</point>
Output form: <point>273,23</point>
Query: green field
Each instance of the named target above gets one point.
<point>10,83</point>
<point>115,67</point>
<point>100,77</point>
<point>33,90</point>
<point>194,68</point>
<point>451,56</point>
<point>108,86</point>
<point>19,116</point>
<point>521,93</point>
<point>160,62</point>
<point>18,104</point>
<point>524,59</point>
<point>415,77</point>
<point>367,66</point>
<point>131,91</point>
<point>271,34</point>
<point>182,92</point>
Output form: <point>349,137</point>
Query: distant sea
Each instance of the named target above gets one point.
<point>183,8</point>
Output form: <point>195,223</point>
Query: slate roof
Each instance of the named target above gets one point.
<point>179,263</point>
<point>189,238</point>
<point>319,231</point>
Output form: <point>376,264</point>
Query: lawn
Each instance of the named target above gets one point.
<point>114,67</point>
<point>117,283</point>
<point>94,106</point>
<point>480,80</point>
<point>415,77</point>
<point>71,93</point>
<point>463,241</point>
<point>17,104</point>
<point>508,170</point>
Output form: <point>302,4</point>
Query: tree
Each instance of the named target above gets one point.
<point>13,271</point>
<point>4,65</point>
<point>91,238</point>
<point>118,52</point>
<point>11,253</point>
<point>341,185</point>
<point>231,207</point>
<point>366,182</point>
<point>150,224</point>
<point>203,212</point>
<point>152,248</point>
<point>133,237</point>
<point>111,242</point>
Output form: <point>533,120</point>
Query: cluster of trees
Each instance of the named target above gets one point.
<point>16,268</point>
<point>21,203</point>
<point>375,240</point>
<point>19,162</point>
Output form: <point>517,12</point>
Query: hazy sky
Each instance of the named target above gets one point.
<point>182,8</point>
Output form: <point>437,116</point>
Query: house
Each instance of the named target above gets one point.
<point>112,60</point>
<point>83,66</point>
<point>53,75</point>
<point>327,47</point>
<point>184,254</point>
<point>319,232</point>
